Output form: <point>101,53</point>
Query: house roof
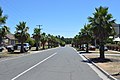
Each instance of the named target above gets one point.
<point>10,36</point>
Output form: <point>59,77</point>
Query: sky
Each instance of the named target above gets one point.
<point>57,17</point>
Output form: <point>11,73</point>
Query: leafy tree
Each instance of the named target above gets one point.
<point>101,22</point>
<point>68,40</point>
<point>30,41</point>
<point>21,34</point>
<point>62,43</point>
<point>3,29</point>
<point>62,38</point>
<point>54,41</point>
<point>37,36</point>
<point>76,41</point>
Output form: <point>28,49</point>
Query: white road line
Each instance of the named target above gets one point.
<point>33,67</point>
<point>100,74</point>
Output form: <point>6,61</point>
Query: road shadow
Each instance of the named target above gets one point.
<point>116,74</point>
<point>84,52</point>
<point>86,61</point>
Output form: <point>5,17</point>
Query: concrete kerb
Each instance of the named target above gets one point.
<point>103,71</point>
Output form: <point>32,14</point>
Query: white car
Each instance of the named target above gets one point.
<point>26,46</point>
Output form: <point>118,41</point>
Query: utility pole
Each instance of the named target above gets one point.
<point>39,26</point>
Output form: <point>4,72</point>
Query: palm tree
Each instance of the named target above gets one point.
<point>49,40</point>
<point>76,41</point>
<point>52,42</point>
<point>21,34</point>
<point>43,39</point>
<point>86,35</point>
<point>3,29</point>
<point>37,36</point>
<point>101,26</point>
<point>2,18</point>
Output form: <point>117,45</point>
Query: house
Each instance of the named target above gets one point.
<point>117,30</point>
<point>10,39</point>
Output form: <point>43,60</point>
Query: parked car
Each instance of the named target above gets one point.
<point>92,48</point>
<point>10,48</point>
<point>1,48</point>
<point>105,48</point>
<point>26,46</point>
<point>17,46</point>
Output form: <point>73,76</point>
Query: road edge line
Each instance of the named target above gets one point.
<point>103,71</point>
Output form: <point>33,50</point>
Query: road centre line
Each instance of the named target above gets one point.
<point>33,66</point>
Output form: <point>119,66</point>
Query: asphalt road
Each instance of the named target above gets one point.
<point>56,64</point>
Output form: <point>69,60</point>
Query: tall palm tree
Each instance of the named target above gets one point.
<point>101,26</point>
<point>43,39</point>
<point>3,29</point>
<point>21,34</point>
<point>37,36</point>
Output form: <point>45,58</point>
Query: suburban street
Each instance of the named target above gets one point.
<point>62,63</point>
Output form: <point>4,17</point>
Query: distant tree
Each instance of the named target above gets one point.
<point>62,38</point>
<point>68,40</point>
<point>21,34</point>
<point>54,41</point>
<point>76,41</point>
<point>101,22</point>
<point>49,40</point>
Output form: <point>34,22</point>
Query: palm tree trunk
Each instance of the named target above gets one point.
<point>22,48</point>
<point>43,45</point>
<point>0,40</point>
<point>87,48</point>
<point>48,44</point>
<point>102,55</point>
<point>36,46</point>
<point>80,46</point>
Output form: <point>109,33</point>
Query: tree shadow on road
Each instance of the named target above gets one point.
<point>86,61</point>
<point>84,52</point>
